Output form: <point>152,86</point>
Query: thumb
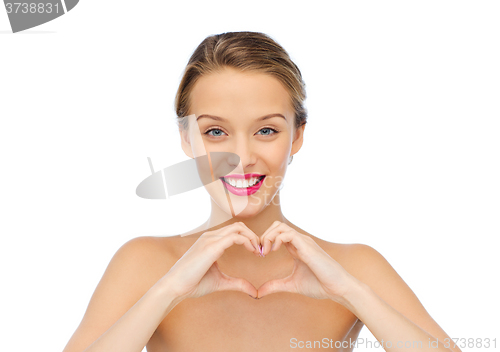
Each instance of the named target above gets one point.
<point>229,283</point>
<point>278,285</point>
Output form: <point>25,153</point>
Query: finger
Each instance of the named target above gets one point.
<point>286,238</point>
<point>282,237</point>
<point>236,238</point>
<point>277,285</point>
<point>229,283</point>
<point>255,239</point>
<point>273,226</point>
<point>241,229</point>
<point>244,230</point>
<point>268,238</point>
<point>291,248</point>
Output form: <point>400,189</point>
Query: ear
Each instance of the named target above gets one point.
<point>186,143</point>
<point>298,139</point>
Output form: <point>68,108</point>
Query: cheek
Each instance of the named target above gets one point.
<point>277,154</point>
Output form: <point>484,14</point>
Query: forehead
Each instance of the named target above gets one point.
<point>233,92</point>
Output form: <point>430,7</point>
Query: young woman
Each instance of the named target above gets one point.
<point>241,93</point>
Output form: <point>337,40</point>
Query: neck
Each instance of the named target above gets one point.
<point>258,223</point>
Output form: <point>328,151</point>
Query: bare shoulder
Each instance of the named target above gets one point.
<point>146,259</point>
<point>146,248</point>
<point>139,263</point>
<point>355,252</point>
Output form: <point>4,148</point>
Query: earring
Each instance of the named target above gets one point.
<point>291,159</point>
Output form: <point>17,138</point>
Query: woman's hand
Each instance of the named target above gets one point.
<point>197,273</point>
<point>315,273</point>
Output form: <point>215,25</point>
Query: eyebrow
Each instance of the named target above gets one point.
<point>223,119</point>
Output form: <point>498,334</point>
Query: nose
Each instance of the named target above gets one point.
<point>243,149</point>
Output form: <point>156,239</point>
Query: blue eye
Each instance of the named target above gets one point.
<point>217,132</point>
<point>269,129</point>
<point>214,129</point>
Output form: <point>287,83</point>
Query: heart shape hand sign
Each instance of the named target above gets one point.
<point>315,273</point>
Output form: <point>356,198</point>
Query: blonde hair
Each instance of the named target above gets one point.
<point>246,51</point>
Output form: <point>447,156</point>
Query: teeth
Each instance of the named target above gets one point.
<point>240,183</point>
<point>252,181</point>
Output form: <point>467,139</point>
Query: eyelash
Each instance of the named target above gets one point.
<point>264,128</point>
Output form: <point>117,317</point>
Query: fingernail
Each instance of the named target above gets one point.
<point>253,297</point>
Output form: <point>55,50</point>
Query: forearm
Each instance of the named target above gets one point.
<point>390,328</point>
<point>134,329</point>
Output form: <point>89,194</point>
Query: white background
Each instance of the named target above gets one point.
<point>401,150</point>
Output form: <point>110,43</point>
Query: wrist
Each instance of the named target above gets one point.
<point>164,290</point>
<point>355,294</point>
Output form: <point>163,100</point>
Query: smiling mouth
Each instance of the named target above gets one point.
<point>239,183</point>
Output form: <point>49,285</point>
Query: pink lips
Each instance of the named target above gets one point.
<point>243,191</point>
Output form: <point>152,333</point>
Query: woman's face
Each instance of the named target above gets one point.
<point>225,115</point>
